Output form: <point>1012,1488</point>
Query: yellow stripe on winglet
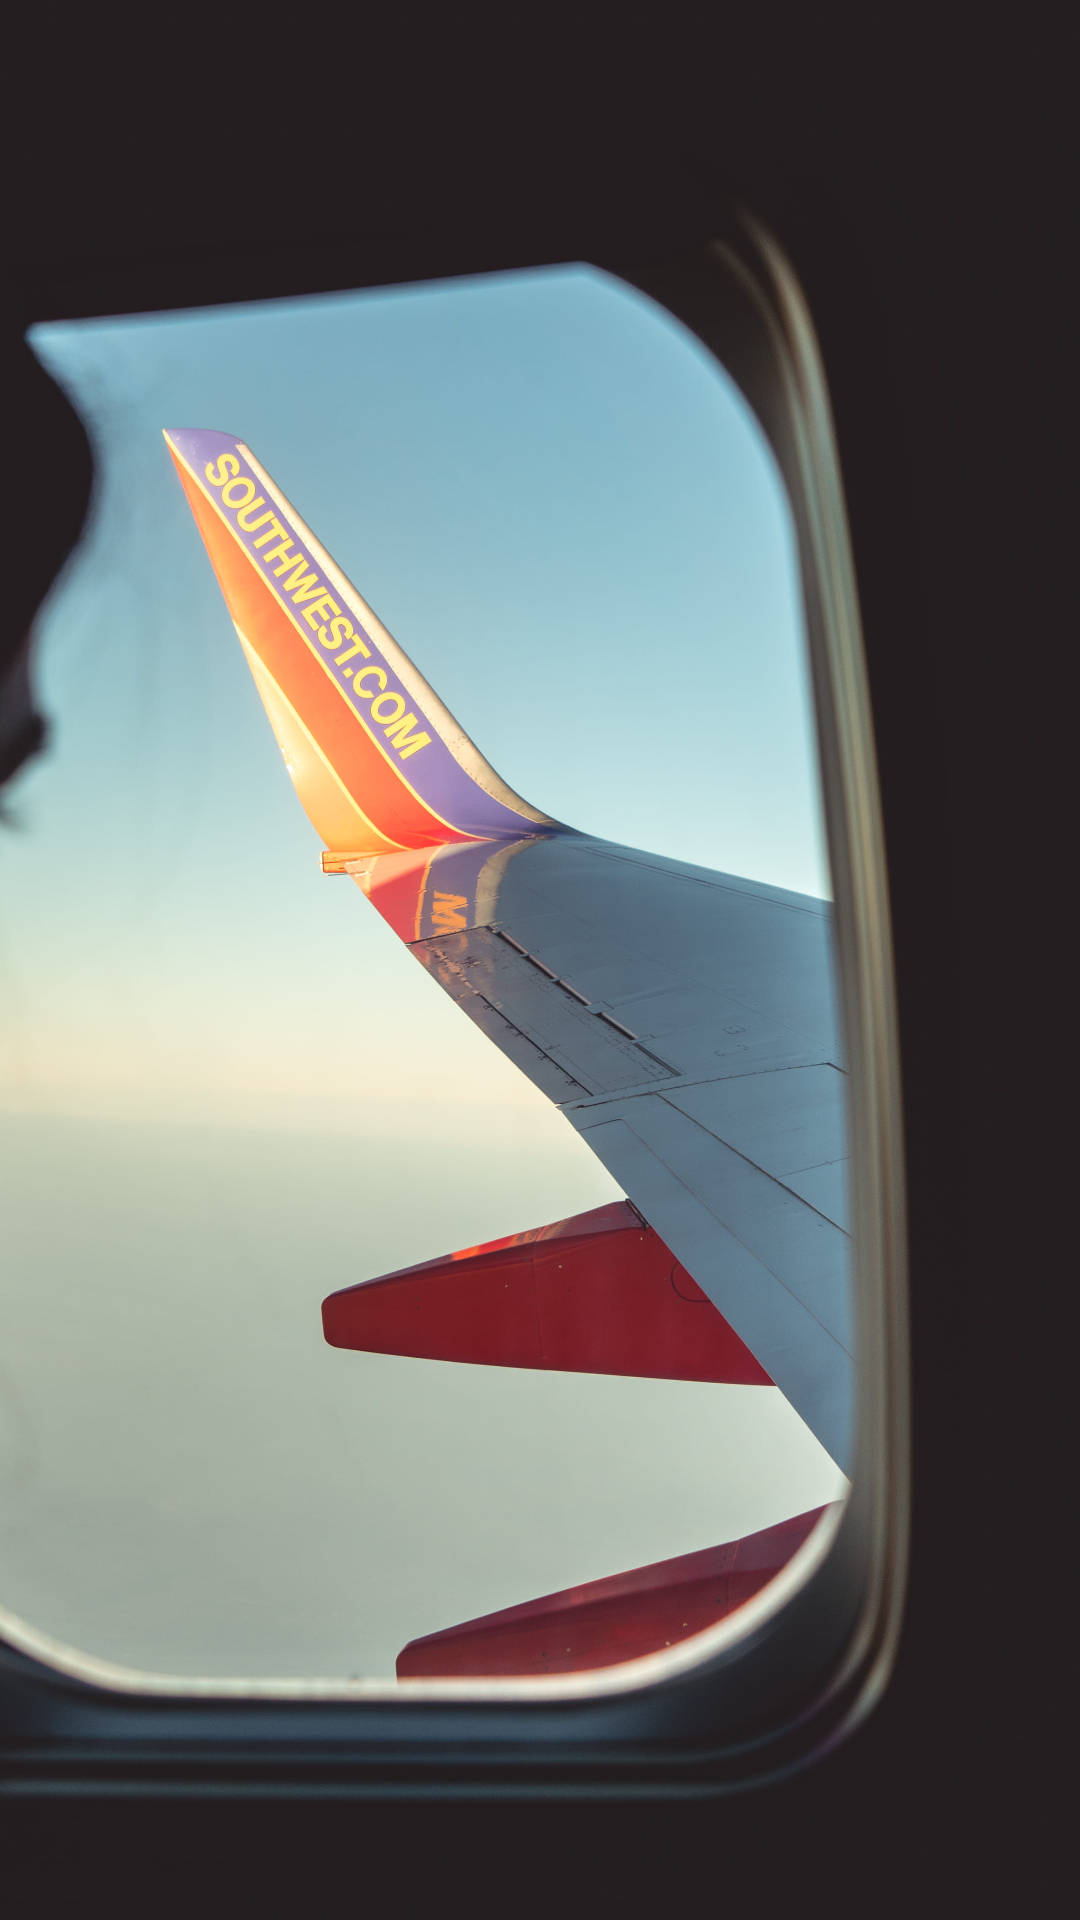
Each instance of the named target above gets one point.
<point>335,815</point>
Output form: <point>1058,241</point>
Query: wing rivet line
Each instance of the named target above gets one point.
<point>567,988</point>
<point>608,1018</point>
<point>541,965</point>
<point>617,1024</point>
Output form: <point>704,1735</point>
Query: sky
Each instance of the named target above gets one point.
<point>226,1089</point>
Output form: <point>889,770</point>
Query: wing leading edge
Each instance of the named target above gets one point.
<point>684,1021</point>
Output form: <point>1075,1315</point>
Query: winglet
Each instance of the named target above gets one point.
<point>378,762</point>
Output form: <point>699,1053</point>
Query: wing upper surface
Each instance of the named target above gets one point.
<point>685,1024</point>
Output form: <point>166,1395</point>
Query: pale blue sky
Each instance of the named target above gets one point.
<point>562,510</point>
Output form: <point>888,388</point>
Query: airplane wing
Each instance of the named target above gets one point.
<point>684,1021</point>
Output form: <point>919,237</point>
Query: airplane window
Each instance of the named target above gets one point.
<point>232,1098</point>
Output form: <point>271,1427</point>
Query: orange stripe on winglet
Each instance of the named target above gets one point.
<point>328,804</point>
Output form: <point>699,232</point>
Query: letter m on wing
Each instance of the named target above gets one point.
<point>448,912</point>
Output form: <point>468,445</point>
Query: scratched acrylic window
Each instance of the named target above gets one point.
<point>361,1317</point>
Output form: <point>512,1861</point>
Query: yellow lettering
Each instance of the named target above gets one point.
<point>272,553</point>
<point>400,733</point>
<point>359,644</point>
<point>321,608</point>
<point>302,586</point>
<point>228,493</point>
<point>358,683</point>
<point>228,464</point>
<point>398,704</point>
<point>243,518</point>
<point>274,527</point>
